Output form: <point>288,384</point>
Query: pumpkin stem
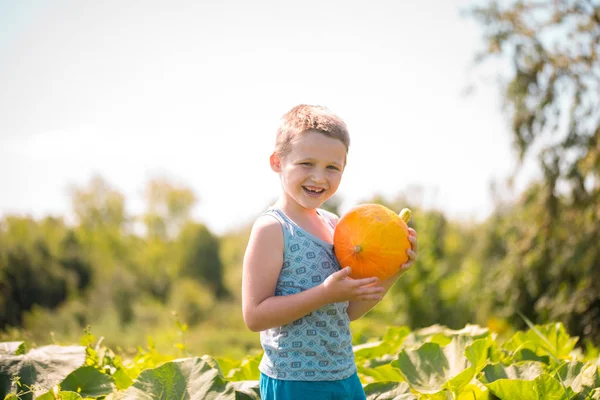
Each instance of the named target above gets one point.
<point>405,214</point>
<point>357,249</point>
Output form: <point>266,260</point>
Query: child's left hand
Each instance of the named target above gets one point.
<point>412,253</point>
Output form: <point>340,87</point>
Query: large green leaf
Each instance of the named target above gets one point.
<point>189,378</point>
<point>389,391</point>
<point>526,379</point>
<point>373,358</point>
<point>391,343</point>
<point>526,370</point>
<point>594,395</point>
<point>551,339</point>
<point>40,368</point>
<point>88,382</point>
<point>244,370</point>
<point>474,391</point>
<point>430,368</point>
<point>380,373</point>
<point>425,368</point>
<point>62,395</point>
<point>122,379</point>
<point>544,387</point>
<point>443,335</point>
<point>247,390</point>
<point>580,377</point>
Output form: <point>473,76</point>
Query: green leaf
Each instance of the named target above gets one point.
<point>40,368</point>
<point>550,339</point>
<point>431,368</point>
<point>62,395</point>
<point>476,391</point>
<point>529,355</point>
<point>391,343</point>
<point>88,382</point>
<point>476,353</point>
<point>244,370</point>
<point>424,368</point>
<point>594,395</point>
<point>389,391</point>
<point>189,378</point>
<point>526,370</point>
<point>544,387</point>
<point>122,379</point>
<point>246,390</point>
<point>443,335</point>
<point>580,377</point>
<point>380,373</point>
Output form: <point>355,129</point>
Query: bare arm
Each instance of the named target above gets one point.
<point>262,264</point>
<point>357,309</point>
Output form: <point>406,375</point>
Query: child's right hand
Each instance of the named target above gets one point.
<point>340,287</point>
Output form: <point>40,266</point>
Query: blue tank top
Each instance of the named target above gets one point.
<point>318,346</point>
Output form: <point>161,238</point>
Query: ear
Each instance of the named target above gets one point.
<point>275,162</point>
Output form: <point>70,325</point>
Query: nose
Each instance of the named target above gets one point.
<point>318,176</point>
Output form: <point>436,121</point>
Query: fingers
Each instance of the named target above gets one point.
<point>370,297</point>
<point>365,281</point>
<point>413,242</point>
<point>406,266</point>
<point>343,273</point>
<point>412,255</point>
<point>372,293</point>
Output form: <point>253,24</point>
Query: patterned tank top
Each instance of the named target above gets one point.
<point>318,346</point>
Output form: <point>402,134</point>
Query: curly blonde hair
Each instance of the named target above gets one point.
<point>304,118</point>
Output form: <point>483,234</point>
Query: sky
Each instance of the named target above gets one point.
<point>193,91</point>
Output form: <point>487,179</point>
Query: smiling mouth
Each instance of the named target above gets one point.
<point>313,191</point>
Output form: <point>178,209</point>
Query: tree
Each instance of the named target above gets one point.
<point>201,258</point>
<point>169,207</point>
<point>32,272</point>
<point>98,205</point>
<point>552,98</point>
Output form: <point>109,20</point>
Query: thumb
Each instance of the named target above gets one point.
<point>343,273</point>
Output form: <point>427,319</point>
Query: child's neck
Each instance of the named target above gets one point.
<point>296,211</point>
<point>306,218</point>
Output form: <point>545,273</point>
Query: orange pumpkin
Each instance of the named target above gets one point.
<point>372,240</point>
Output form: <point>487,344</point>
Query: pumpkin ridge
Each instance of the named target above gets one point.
<point>344,259</point>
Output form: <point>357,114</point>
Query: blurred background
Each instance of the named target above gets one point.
<point>134,145</point>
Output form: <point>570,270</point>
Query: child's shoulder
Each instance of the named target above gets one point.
<point>333,218</point>
<point>266,224</point>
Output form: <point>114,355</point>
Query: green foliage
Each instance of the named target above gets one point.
<point>39,369</point>
<point>552,97</point>
<point>432,363</point>
<point>98,206</point>
<point>201,258</point>
<point>169,208</point>
<point>105,271</point>
<point>37,269</point>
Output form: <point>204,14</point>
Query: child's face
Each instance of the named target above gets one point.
<point>312,171</point>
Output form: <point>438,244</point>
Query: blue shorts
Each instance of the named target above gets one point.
<point>344,389</point>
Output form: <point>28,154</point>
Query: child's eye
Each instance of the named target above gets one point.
<point>333,167</point>
<point>308,164</point>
